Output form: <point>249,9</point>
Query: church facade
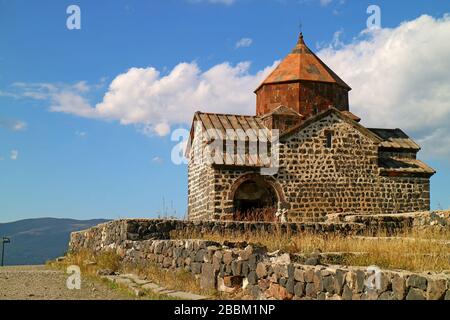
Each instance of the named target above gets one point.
<point>325,161</point>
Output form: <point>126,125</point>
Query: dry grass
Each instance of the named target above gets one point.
<point>90,263</point>
<point>171,279</point>
<point>414,251</point>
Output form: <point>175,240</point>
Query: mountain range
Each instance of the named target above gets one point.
<point>34,241</point>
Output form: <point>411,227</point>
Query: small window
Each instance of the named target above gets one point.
<point>316,110</point>
<point>329,139</point>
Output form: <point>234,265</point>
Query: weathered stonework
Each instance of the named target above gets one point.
<point>314,180</point>
<point>250,270</point>
<point>328,162</point>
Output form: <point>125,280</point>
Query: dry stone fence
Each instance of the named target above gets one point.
<point>242,267</point>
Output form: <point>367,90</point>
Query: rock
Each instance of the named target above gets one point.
<point>256,292</point>
<point>299,275</point>
<point>167,262</point>
<point>447,295</point>
<point>328,284</point>
<point>105,272</point>
<point>282,281</point>
<point>278,292</point>
<point>339,279</point>
<point>436,289</point>
<point>290,286</point>
<point>200,255</point>
<point>264,284</point>
<point>399,286</point>
<point>232,281</point>
<point>227,257</point>
<point>417,281</point>
<point>321,296</point>
<point>245,269</point>
<point>310,290</point>
<point>261,270</point>
<point>282,259</point>
<point>196,267</point>
<point>252,278</point>
<point>318,281</point>
<point>253,259</point>
<point>280,270</point>
<point>245,254</point>
<point>347,293</point>
<point>309,275</point>
<point>236,267</point>
<point>415,294</point>
<point>360,276</point>
<point>299,289</point>
<point>223,288</point>
<point>355,280</point>
<point>370,294</point>
<point>291,270</point>
<point>333,297</point>
<point>208,277</point>
<point>245,283</point>
<point>387,295</point>
<point>313,261</point>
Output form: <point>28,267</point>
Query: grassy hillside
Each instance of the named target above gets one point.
<point>34,241</point>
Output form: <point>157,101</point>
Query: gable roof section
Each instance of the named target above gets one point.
<point>395,139</point>
<point>242,128</point>
<point>375,138</point>
<point>394,166</point>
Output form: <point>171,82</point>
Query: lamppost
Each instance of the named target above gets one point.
<point>4,240</point>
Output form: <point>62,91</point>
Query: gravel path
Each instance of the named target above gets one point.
<point>42,283</point>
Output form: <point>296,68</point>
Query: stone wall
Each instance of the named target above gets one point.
<point>114,233</point>
<point>314,181</point>
<point>200,183</point>
<point>252,272</point>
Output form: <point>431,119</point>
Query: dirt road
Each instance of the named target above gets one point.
<point>42,283</point>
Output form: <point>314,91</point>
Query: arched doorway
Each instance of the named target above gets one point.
<point>255,200</point>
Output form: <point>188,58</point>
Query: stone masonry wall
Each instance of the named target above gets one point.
<point>316,180</point>
<point>200,184</point>
<point>114,233</point>
<point>255,273</point>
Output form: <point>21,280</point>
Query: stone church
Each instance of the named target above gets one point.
<point>327,161</point>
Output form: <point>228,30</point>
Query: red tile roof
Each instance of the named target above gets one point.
<point>303,64</point>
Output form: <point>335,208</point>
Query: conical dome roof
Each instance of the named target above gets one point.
<point>303,65</point>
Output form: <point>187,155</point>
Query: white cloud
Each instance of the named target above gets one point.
<point>325,3</point>
<point>81,134</point>
<point>13,125</point>
<point>400,79</point>
<point>142,97</point>
<point>14,155</point>
<point>157,159</point>
<point>244,43</point>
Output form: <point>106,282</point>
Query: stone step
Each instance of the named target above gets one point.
<point>138,286</point>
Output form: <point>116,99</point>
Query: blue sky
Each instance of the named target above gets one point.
<point>67,150</point>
